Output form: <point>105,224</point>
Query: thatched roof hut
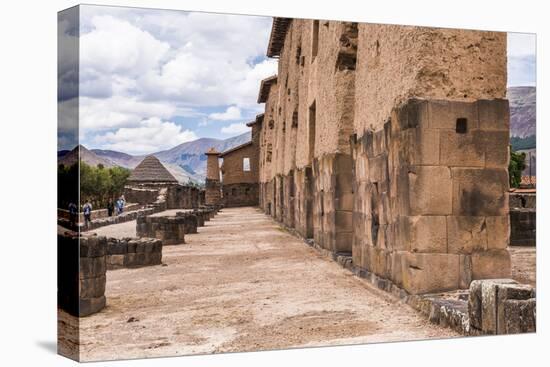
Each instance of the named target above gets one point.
<point>151,170</point>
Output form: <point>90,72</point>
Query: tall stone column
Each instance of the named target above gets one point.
<point>213,187</point>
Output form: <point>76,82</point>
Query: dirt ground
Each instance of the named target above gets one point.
<point>241,284</point>
<point>524,268</point>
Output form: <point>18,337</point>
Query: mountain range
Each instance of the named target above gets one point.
<point>187,161</point>
<point>523,108</point>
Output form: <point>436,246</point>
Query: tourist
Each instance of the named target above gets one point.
<point>73,212</point>
<point>122,203</point>
<point>110,207</point>
<point>87,209</point>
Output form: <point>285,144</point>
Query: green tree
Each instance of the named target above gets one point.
<point>516,167</point>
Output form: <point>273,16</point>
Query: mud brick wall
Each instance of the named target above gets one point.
<point>171,230</point>
<point>81,273</point>
<point>133,252</point>
<point>502,306</point>
<point>523,227</point>
<point>303,201</point>
<point>240,194</point>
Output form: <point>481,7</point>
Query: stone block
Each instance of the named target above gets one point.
<point>465,268</point>
<point>378,168</point>
<point>93,246</point>
<point>115,260</point>
<point>427,234</point>
<point>520,316</point>
<point>444,114</point>
<point>498,232</point>
<point>463,149</point>
<point>517,292</point>
<point>466,234</point>
<point>88,306</point>
<point>117,247</point>
<point>427,151</point>
<point>494,115</point>
<point>479,192</point>
<point>430,190</point>
<point>91,267</point>
<point>419,269</point>
<point>474,304</point>
<point>491,264</point>
<point>92,287</point>
<point>497,146</point>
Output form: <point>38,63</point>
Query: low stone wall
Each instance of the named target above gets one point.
<point>240,194</point>
<point>169,229</point>
<point>133,252</point>
<point>81,273</point>
<point>124,217</point>
<point>523,224</point>
<point>96,214</point>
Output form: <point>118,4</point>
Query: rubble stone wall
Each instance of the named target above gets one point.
<point>523,227</point>
<point>240,194</point>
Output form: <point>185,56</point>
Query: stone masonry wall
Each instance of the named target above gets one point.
<point>430,199</point>
<point>391,143</point>
<point>169,229</point>
<point>81,273</point>
<point>133,252</point>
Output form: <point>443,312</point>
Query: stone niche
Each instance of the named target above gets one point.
<point>430,195</point>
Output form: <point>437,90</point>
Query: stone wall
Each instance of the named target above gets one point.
<point>81,273</point>
<point>390,143</point>
<point>240,194</point>
<point>183,197</point>
<point>523,227</point>
<point>141,195</point>
<point>169,229</point>
<point>430,198</point>
<point>133,252</point>
<point>124,217</point>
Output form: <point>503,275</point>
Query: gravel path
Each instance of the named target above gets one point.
<point>241,284</point>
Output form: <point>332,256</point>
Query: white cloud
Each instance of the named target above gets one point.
<point>141,65</point>
<point>117,111</point>
<point>521,44</point>
<point>235,129</point>
<point>231,113</point>
<point>151,135</point>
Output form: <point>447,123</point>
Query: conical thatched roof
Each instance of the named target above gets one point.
<point>151,170</point>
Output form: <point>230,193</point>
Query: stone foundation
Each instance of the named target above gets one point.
<point>212,192</point>
<point>141,195</point>
<point>191,222</point>
<point>133,252</point>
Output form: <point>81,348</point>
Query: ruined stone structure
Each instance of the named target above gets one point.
<point>133,252</point>
<point>151,182</point>
<point>81,273</point>
<point>390,144</point>
<point>240,170</point>
<point>212,182</point>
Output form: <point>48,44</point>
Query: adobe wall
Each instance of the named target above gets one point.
<point>232,166</point>
<point>212,182</point>
<point>392,144</point>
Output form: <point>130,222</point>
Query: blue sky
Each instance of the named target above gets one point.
<point>152,79</point>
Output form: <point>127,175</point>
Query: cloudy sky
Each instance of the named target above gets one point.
<point>153,79</point>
